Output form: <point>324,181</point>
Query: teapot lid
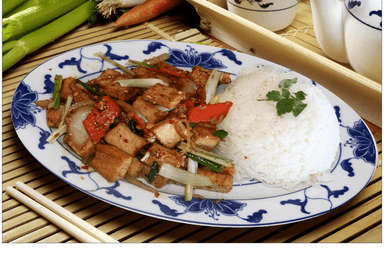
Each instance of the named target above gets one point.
<point>368,12</point>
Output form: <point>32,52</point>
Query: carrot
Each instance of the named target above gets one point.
<point>146,11</point>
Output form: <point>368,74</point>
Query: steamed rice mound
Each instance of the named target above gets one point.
<point>277,150</point>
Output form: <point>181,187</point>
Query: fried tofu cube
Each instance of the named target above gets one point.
<point>137,169</point>
<point>160,181</point>
<point>149,110</point>
<point>106,83</point>
<point>163,154</point>
<point>123,138</point>
<point>166,133</point>
<point>69,88</point>
<point>54,116</point>
<point>140,170</point>
<point>222,182</point>
<point>110,162</point>
<point>203,137</point>
<point>165,96</point>
<point>228,170</point>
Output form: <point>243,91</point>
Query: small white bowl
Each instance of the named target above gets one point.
<point>270,14</point>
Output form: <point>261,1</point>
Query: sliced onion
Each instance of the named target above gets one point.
<point>211,86</point>
<point>163,109</point>
<point>183,176</point>
<point>182,129</point>
<point>82,103</point>
<point>140,82</point>
<point>75,126</point>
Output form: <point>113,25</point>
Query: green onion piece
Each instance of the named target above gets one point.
<point>9,5</point>
<point>56,91</point>
<point>139,63</point>
<point>206,154</point>
<point>183,176</point>
<point>141,82</point>
<point>192,167</point>
<point>66,110</point>
<point>153,172</point>
<point>9,45</point>
<point>36,16</point>
<point>201,160</point>
<point>126,70</point>
<point>48,33</point>
<point>56,134</point>
<point>220,133</point>
<point>90,88</point>
<point>24,6</point>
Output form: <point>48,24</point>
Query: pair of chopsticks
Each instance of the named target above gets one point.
<point>77,227</point>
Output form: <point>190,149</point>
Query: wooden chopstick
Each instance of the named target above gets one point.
<point>46,213</point>
<point>69,222</point>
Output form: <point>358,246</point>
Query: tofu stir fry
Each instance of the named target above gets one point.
<point>151,125</point>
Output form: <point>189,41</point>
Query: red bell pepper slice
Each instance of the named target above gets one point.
<point>208,113</point>
<point>100,119</point>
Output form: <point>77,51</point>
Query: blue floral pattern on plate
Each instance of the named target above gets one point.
<point>247,205</point>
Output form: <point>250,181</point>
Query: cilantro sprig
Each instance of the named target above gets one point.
<point>286,102</point>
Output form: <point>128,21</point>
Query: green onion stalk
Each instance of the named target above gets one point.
<point>36,16</point>
<point>9,5</point>
<point>46,34</point>
<point>24,6</point>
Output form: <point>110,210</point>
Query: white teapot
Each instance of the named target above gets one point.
<point>349,31</point>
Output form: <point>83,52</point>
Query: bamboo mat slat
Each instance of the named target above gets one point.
<point>358,221</point>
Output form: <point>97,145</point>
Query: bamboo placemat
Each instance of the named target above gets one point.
<point>357,221</point>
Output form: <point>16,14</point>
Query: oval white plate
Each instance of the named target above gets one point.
<point>248,205</point>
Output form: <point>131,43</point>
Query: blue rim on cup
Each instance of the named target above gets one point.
<point>273,15</point>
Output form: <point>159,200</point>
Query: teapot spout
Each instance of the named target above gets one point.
<point>328,22</point>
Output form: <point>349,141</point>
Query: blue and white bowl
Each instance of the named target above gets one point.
<point>270,14</point>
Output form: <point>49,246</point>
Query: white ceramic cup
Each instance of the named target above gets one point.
<point>270,14</point>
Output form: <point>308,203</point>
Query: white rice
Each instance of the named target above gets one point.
<point>282,151</point>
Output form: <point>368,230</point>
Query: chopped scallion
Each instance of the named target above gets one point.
<point>204,161</point>
<point>153,172</point>
<point>192,167</point>
<point>56,91</point>
<point>90,88</point>
<point>220,133</point>
<point>206,154</point>
<point>139,63</point>
<point>183,176</point>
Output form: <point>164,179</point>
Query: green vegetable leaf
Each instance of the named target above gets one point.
<point>300,95</point>
<point>274,95</point>
<point>220,133</point>
<point>284,106</point>
<point>286,93</point>
<point>298,109</point>
<point>285,101</point>
<point>286,83</point>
